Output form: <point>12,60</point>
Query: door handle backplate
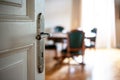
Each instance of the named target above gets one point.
<point>40,42</point>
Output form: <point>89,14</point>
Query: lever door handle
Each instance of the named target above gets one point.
<point>42,35</point>
<point>40,42</point>
<point>40,50</point>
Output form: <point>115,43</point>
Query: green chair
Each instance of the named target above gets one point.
<point>58,29</point>
<point>75,45</point>
<point>92,39</point>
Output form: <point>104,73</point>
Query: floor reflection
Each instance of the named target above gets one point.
<point>100,64</point>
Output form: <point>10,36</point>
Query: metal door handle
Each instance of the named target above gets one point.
<point>42,35</point>
<point>40,42</point>
<point>40,50</point>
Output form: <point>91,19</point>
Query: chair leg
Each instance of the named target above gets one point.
<point>56,55</point>
<point>82,64</point>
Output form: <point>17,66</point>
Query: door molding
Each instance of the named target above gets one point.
<point>29,50</point>
<point>17,10</point>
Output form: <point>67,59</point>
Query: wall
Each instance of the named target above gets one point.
<point>117,18</point>
<point>58,12</point>
<point>76,14</point>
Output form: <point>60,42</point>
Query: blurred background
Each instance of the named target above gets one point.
<point>103,16</point>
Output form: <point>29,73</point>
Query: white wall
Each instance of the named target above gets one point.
<point>58,12</point>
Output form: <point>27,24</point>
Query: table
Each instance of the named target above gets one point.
<point>90,39</point>
<point>89,35</point>
<point>58,37</point>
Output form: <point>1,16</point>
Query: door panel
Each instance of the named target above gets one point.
<point>14,66</point>
<point>18,26</point>
<point>18,63</point>
<point>16,10</point>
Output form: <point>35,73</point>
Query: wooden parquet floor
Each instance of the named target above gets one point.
<point>100,64</point>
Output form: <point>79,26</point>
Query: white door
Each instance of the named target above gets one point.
<point>19,57</point>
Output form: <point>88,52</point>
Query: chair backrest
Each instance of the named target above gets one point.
<point>75,40</point>
<point>94,30</point>
<point>58,29</point>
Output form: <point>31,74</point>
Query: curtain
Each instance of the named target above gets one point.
<point>100,14</point>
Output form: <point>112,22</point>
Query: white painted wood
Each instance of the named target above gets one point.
<point>16,10</point>
<point>18,58</point>
<point>14,66</point>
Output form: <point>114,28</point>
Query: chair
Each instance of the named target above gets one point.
<point>58,29</point>
<point>92,39</point>
<point>75,45</point>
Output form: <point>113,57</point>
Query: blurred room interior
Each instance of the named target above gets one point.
<point>101,56</point>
